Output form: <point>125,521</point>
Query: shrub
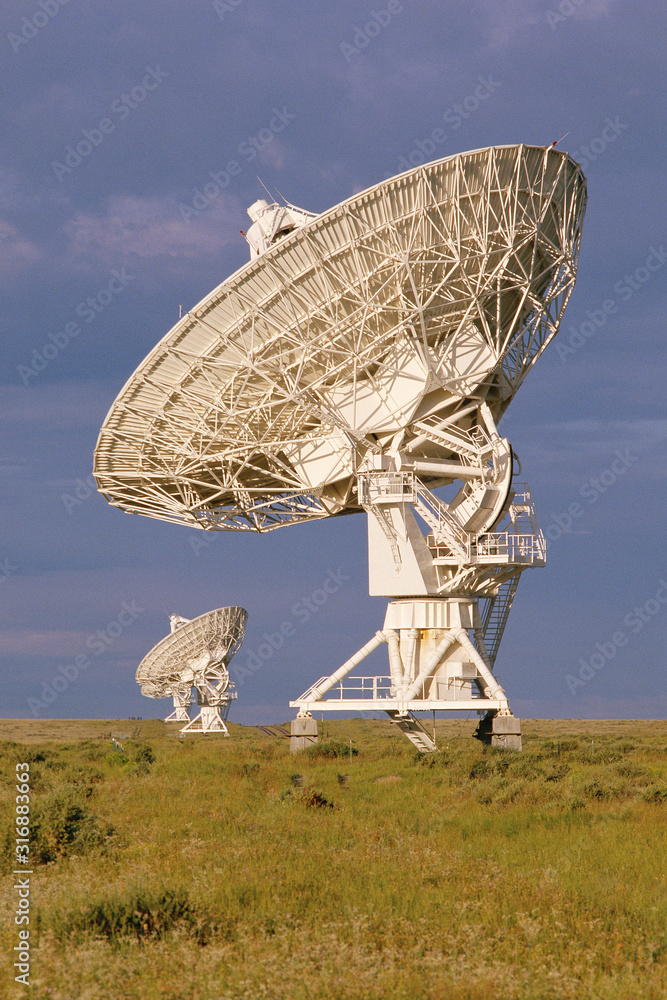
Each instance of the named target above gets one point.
<point>655,795</point>
<point>523,765</point>
<point>62,825</point>
<point>14,752</point>
<point>116,759</point>
<point>331,749</point>
<point>140,753</point>
<point>136,914</point>
<point>556,772</point>
<point>131,759</point>
<point>597,755</point>
<point>438,759</point>
<point>92,750</point>
<point>480,769</point>
<point>308,797</point>
<point>629,769</point>
<point>602,790</point>
<point>511,790</point>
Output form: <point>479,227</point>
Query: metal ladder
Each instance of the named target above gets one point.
<point>415,732</point>
<point>495,615</point>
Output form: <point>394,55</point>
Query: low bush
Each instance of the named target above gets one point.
<point>331,748</point>
<point>136,914</point>
<point>139,753</point>
<point>655,794</point>
<point>61,825</point>
<point>308,797</point>
<point>480,769</point>
<point>556,772</point>
<point>603,790</point>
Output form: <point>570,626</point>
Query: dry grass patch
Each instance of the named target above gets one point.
<point>382,875</point>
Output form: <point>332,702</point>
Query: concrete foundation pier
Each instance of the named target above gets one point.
<point>506,732</point>
<point>502,731</point>
<point>303,734</point>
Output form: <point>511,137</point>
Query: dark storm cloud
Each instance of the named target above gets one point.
<point>143,109</point>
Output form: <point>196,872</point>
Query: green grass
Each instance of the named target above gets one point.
<point>227,869</point>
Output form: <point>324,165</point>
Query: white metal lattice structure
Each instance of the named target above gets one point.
<point>196,655</point>
<point>362,359</point>
<point>433,288</point>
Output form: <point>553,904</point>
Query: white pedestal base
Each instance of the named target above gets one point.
<point>208,720</point>
<point>434,665</point>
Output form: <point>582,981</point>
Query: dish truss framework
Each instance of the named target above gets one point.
<point>360,361</point>
<point>196,655</point>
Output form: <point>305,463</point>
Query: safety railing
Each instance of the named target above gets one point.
<point>358,686</point>
<point>395,487</point>
<point>505,547</point>
<point>510,547</point>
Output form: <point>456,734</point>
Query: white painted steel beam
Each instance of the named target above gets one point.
<point>397,705</point>
<point>491,685</point>
<point>431,665</point>
<point>325,685</point>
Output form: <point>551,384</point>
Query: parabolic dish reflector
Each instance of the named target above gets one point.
<point>202,644</point>
<point>434,289</point>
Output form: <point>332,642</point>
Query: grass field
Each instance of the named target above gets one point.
<point>219,869</point>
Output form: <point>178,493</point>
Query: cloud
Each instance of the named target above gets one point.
<point>47,643</point>
<point>595,432</point>
<point>17,253</point>
<point>579,446</point>
<point>152,227</point>
<point>61,406</point>
<point>509,18</point>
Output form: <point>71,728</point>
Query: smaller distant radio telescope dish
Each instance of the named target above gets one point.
<point>195,656</point>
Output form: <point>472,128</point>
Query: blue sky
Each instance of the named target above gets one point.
<point>115,118</point>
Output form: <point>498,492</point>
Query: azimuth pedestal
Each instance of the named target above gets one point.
<point>433,665</point>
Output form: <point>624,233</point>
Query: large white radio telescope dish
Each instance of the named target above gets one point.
<point>438,286</point>
<point>361,359</point>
